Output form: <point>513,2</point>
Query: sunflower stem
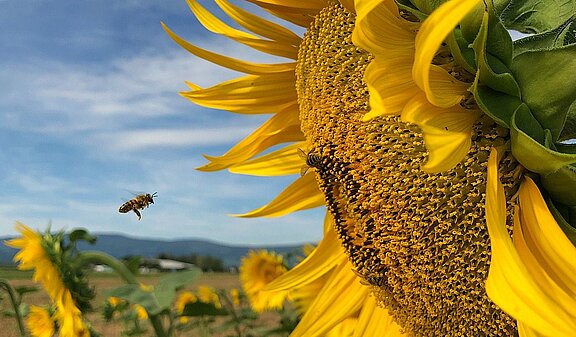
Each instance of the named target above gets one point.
<point>12,294</point>
<point>88,257</point>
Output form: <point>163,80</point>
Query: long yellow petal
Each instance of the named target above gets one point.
<point>375,321</point>
<point>258,25</point>
<point>342,297</point>
<point>283,127</point>
<point>252,94</point>
<point>510,285</point>
<point>284,161</point>
<point>215,25</point>
<point>300,13</point>
<point>447,132</point>
<point>447,91</point>
<point>294,5</point>
<point>546,238</point>
<point>322,260</point>
<point>231,63</point>
<point>302,194</point>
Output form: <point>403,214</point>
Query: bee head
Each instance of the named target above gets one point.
<point>151,197</point>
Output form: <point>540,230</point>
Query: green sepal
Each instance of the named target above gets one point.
<point>81,234</point>
<point>406,5</point>
<point>427,6</point>
<point>565,217</point>
<point>161,297</point>
<point>462,53</point>
<point>203,309</point>
<point>534,149</point>
<point>494,88</point>
<point>536,16</point>
<point>546,79</point>
<point>561,184</point>
<point>471,23</point>
<point>496,104</point>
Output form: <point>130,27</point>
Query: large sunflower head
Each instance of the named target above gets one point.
<point>397,106</point>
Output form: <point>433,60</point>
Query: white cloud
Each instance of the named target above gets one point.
<point>154,138</point>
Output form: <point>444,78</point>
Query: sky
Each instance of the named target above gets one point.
<point>90,115</point>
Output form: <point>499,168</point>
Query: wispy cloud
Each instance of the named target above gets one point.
<point>162,138</point>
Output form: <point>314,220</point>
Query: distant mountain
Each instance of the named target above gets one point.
<point>120,246</point>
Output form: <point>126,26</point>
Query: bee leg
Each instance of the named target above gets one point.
<point>138,213</point>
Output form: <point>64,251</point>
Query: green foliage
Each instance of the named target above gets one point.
<point>160,298</point>
<point>537,16</point>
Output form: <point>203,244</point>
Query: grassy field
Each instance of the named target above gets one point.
<point>104,282</point>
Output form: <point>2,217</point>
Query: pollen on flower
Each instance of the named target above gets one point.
<point>418,239</point>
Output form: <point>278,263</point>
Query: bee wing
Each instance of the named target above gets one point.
<point>303,155</point>
<point>304,170</point>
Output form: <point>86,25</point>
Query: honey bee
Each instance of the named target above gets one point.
<point>311,159</point>
<point>138,203</point>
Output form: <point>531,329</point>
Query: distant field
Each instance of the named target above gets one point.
<point>103,282</point>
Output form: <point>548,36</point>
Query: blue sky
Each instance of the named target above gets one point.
<point>90,113</point>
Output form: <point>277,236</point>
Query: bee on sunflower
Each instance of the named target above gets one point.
<point>447,166</point>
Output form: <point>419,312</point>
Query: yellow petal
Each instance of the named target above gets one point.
<point>446,91</point>
<point>447,132</point>
<point>510,284</point>
<point>322,260</point>
<point>302,194</point>
<point>342,297</point>
<point>546,239</point>
<point>296,5</point>
<point>380,30</point>
<point>258,25</point>
<point>376,321</point>
<point>280,162</point>
<point>391,86</point>
<point>252,94</point>
<point>281,128</point>
<point>215,25</point>
<point>231,63</point>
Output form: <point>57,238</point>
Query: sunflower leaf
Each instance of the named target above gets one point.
<point>562,36</point>
<point>166,289</point>
<point>569,130</point>
<point>536,16</point>
<point>202,309</point>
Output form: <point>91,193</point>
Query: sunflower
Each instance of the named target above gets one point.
<point>40,322</point>
<point>208,294</point>
<point>140,311</point>
<point>258,269</point>
<point>37,253</point>
<point>397,106</point>
<point>184,298</point>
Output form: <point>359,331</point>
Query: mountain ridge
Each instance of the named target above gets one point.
<point>120,245</point>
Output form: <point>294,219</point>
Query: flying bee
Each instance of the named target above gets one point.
<point>311,159</point>
<point>138,203</point>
